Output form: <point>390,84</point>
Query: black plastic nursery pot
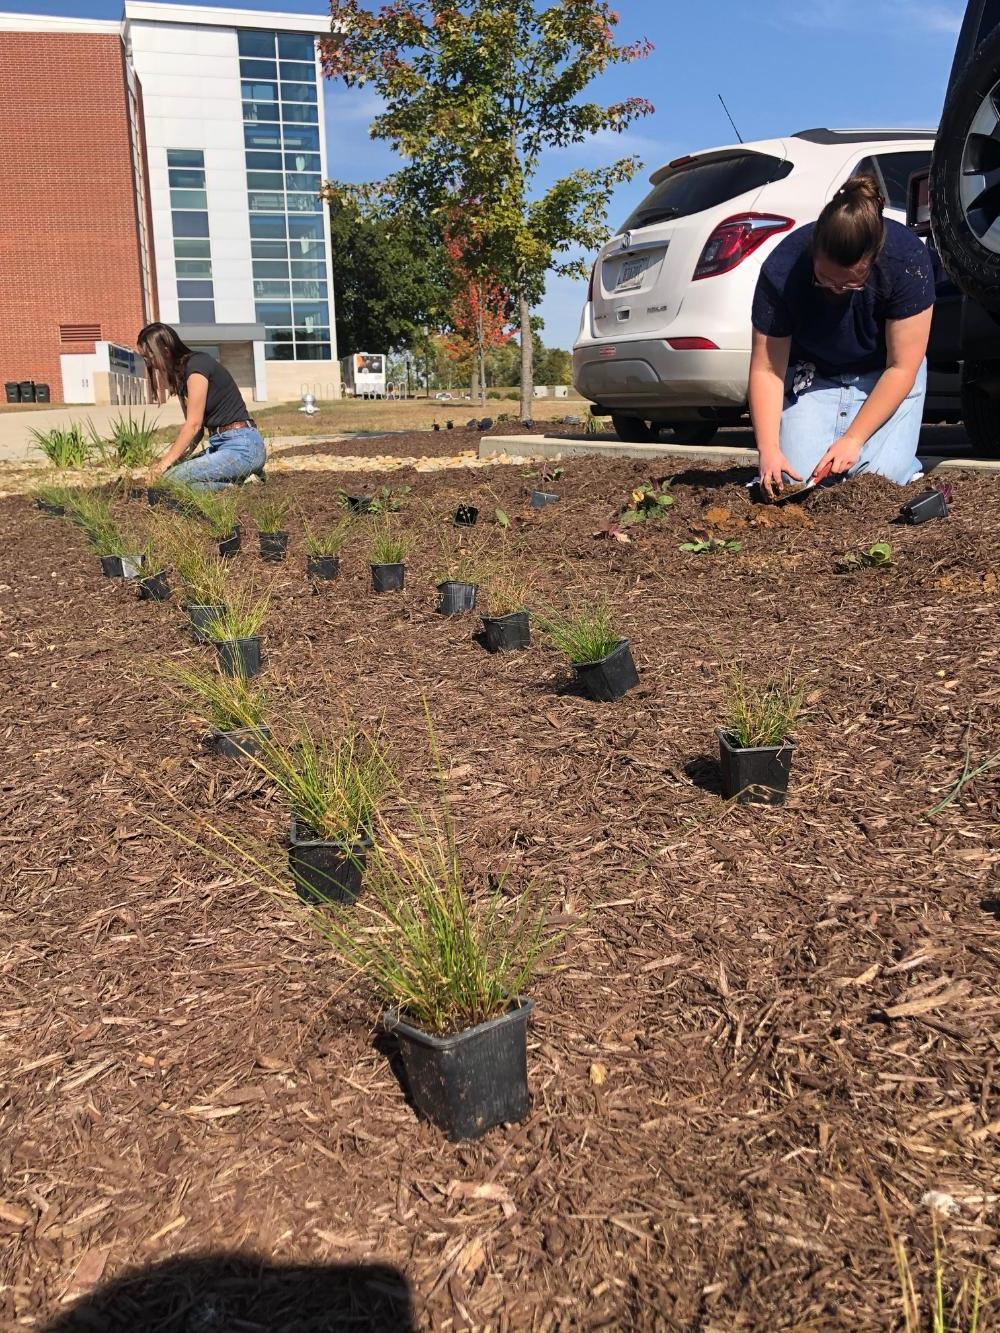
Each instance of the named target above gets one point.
<point>611,677</point>
<point>466,515</point>
<point>121,566</point>
<point>457,598</point>
<point>754,776</point>
<point>323,566</point>
<point>200,616</point>
<point>240,657</point>
<point>388,578</point>
<point>358,504</point>
<point>505,634</point>
<point>927,505</point>
<point>273,546</point>
<point>154,587</point>
<point>326,871</point>
<point>47,507</point>
<point>469,1082</point>
<point>238,744</point>
<point>539,499</point>
<point>231,545</point>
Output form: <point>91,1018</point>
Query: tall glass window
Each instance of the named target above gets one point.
<point>192,250</point>
<point>287,231</point>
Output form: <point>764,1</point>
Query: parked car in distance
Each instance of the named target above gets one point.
<point>665,334</point>
<point>961,201</point>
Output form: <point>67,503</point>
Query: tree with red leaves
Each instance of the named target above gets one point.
<point>479,313</point>
<point>474,92</point>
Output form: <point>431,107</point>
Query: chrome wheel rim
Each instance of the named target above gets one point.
<point>979,183</point>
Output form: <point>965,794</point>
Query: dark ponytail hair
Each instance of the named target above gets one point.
<point>851,229</point>
<point>166,358</point>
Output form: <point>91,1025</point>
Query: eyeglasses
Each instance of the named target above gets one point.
<point>839,288</point>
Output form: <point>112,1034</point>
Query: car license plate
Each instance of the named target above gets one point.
<point>631,274</point>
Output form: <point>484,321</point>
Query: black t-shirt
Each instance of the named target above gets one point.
<point>225,402</point>
<point>841,335</point>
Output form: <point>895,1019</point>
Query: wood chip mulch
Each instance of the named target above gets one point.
<point>768,1045</point>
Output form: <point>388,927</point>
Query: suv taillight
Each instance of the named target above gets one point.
<point>735,238</point>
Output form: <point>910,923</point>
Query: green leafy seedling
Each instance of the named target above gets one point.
<point>711,546</point>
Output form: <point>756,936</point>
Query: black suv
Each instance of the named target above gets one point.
<point>964,207</point>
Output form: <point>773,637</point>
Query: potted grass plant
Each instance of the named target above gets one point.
<point>219,510</point>
<point>154,587</point>
<point>90,511</point>
<point>204,577</point>
<point>466,516</point>
<point>234,710</point>
<point>270,516</point>
<point>458,581</point>
<point>122,554</point>
<point>334,789</point>
<point>450,968</point>
<point>323,548</point>
<point>601,658</point>
<point>507,627</point>
<point>52,498</point>
<point>235,631</point>
<point>755,752</point>
<point>387,555</point>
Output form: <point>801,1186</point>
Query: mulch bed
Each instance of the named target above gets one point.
<point>768,1035</point>
<point>441,443</point>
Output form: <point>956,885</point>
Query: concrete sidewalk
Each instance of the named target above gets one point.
<point>16,444</point>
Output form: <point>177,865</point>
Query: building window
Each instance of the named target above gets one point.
<point>284,176</point>
<point>192,248</point>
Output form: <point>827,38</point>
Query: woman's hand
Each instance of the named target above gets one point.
<point>840,457</point>
<point>774,467</point>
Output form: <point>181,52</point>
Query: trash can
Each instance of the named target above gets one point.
<point>27,391</point>
<point>13,392</point>
<point>41,393</point>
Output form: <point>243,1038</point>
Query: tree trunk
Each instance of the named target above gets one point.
<point>527,366</point>
<point>475,379</point>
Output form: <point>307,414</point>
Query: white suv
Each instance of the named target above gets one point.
<point>665,334</point>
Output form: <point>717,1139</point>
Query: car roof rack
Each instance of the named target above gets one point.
<point>826,136</point>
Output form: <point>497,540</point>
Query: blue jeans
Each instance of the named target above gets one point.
<point>231,455</point>
<point>819,415</point>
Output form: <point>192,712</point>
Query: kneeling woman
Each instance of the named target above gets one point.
<point>212,401</point>
<point>841,319</point>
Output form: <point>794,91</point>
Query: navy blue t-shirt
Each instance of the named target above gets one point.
<point>841,335</point>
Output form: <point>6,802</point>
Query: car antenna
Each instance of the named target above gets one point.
<point>731,121</point>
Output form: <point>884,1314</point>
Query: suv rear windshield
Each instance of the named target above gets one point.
<point>706,184</point>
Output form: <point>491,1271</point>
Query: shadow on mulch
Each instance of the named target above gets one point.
<point>703,478</point>
<point>230,1291</point>
<point>992,906</point>
<point>704,772</point>
<point>388,1047</point>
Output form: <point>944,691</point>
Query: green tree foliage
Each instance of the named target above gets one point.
<point>392,282</point>
<point>475,91</point>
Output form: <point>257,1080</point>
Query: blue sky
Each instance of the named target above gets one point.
<point>782,65</point>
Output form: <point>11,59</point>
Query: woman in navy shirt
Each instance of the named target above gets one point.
<point>841,319</point>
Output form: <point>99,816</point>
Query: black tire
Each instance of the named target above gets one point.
<point>633,430</point>
<point>981,407</point>
<point>695,432</point>
<point>973,265</point>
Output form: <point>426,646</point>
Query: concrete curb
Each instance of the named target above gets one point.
<point>545,446</point>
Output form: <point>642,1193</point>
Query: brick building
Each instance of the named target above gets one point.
<point>167,167</point>
<point>74,259</point>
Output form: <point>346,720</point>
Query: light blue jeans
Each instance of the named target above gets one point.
<point>231,455</point>
<point>818,416</point>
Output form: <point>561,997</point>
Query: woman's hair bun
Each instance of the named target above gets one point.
<point>862,187</point>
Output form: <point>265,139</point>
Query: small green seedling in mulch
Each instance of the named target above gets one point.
<point>388,547</point>
<point>876,557</point>
<point>327,542</point>
<point>761,712</point>
<point>587,635</point>
<point>241,617</point>
<point>270,515</point>
<point>219,510</point>
<point>62,447</point>
<point>711,546</point>
<point>649,501</point>
<point>501,518</point>
<point>229,703</point>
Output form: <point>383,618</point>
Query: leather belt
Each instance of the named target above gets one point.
<point>234,425</point>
